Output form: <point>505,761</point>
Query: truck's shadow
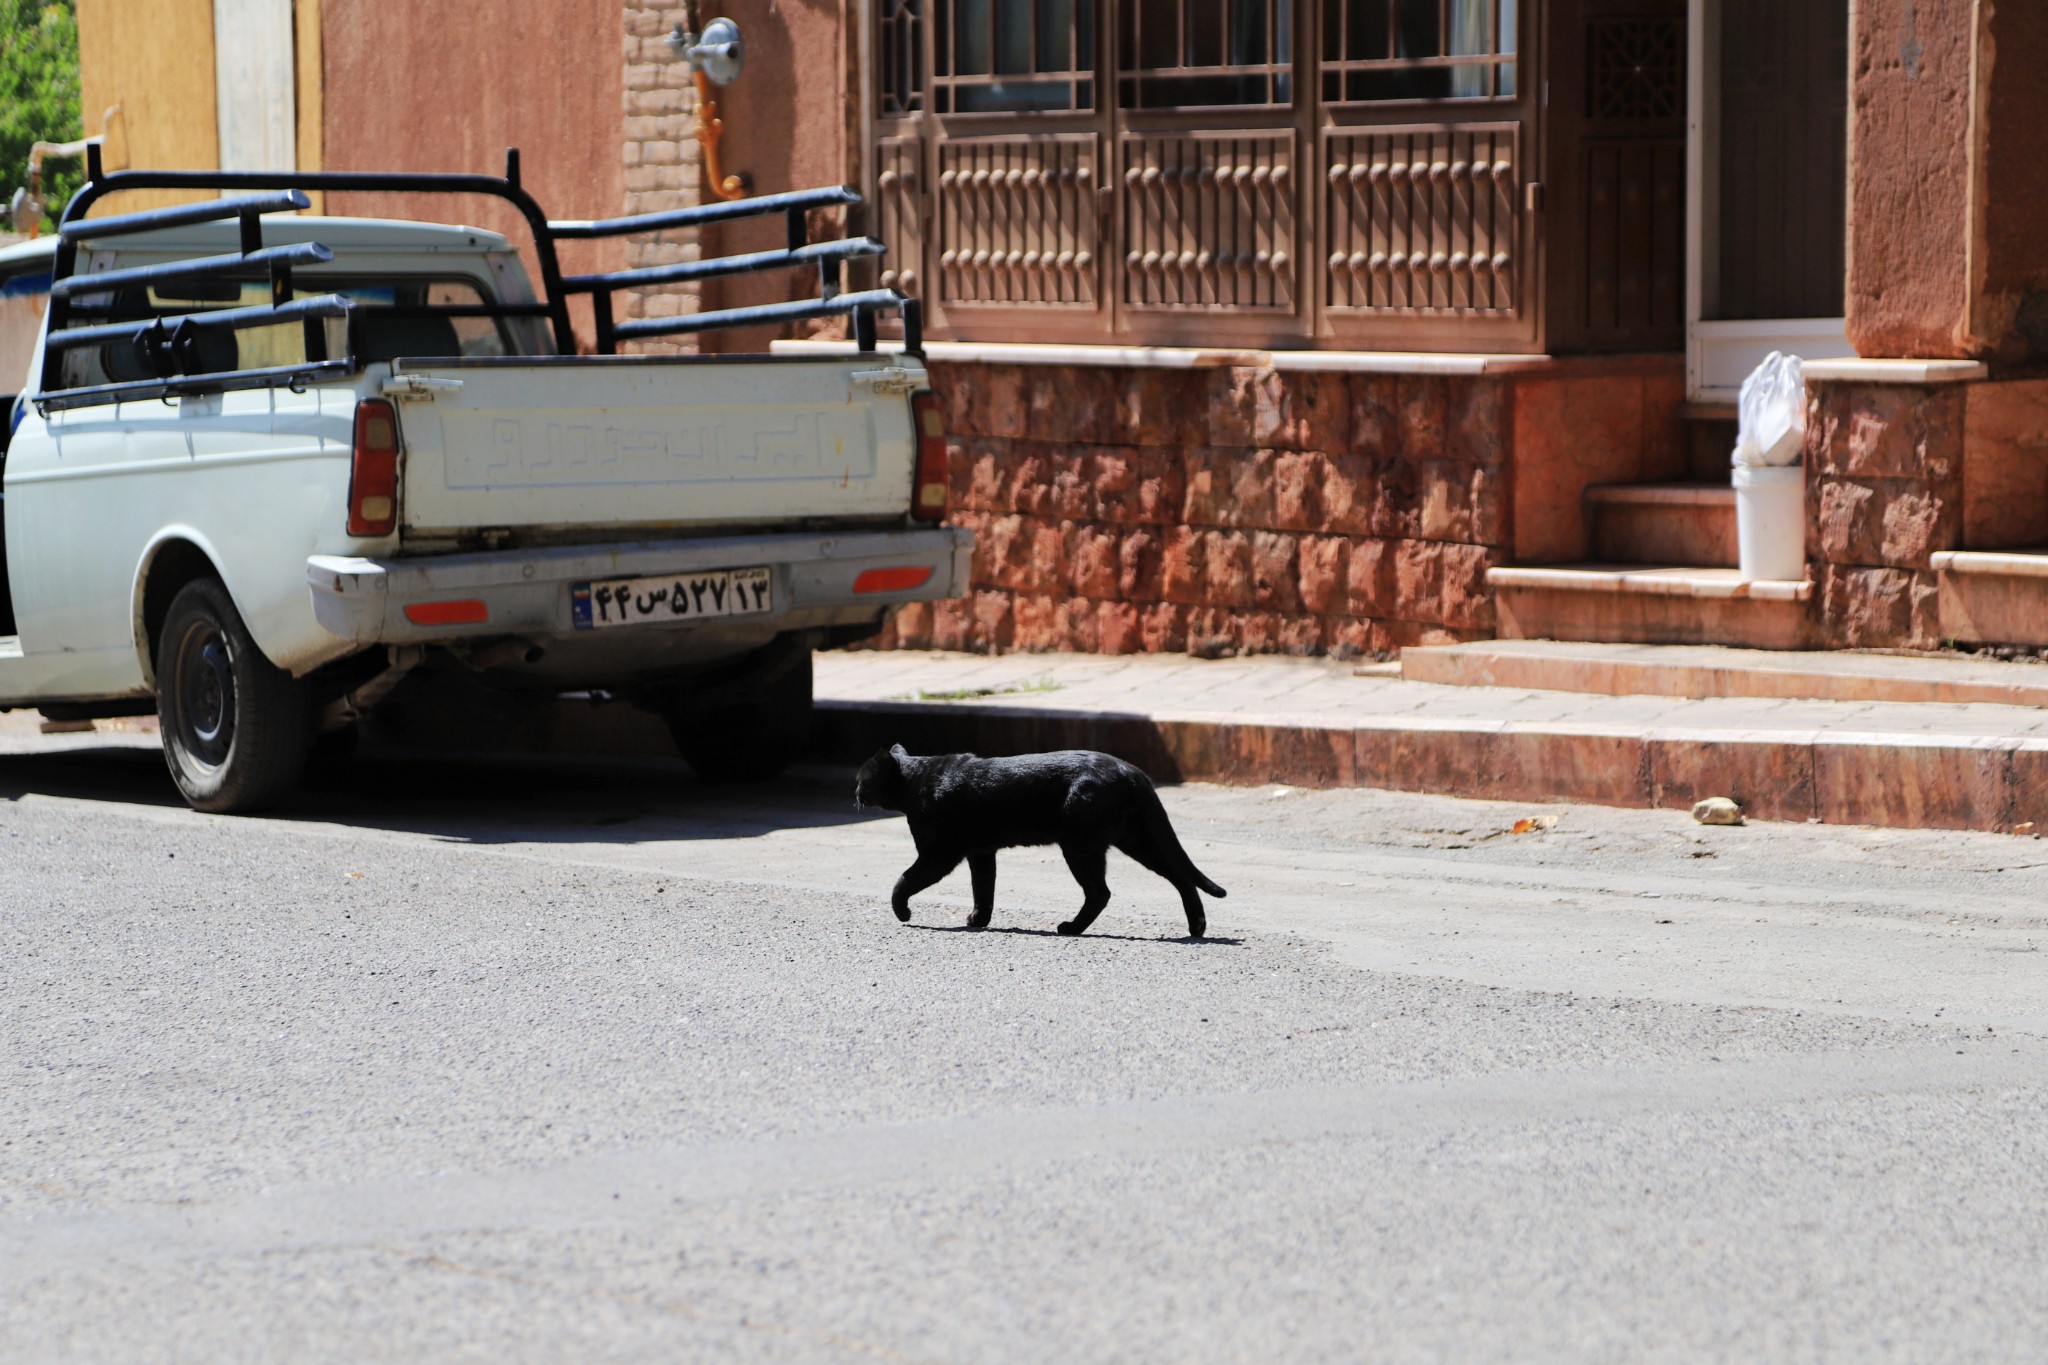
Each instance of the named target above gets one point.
<point>480,799</point>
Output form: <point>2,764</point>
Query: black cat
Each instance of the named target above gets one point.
<point>961,806</point>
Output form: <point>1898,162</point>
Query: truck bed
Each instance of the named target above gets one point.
<point>678,442</point>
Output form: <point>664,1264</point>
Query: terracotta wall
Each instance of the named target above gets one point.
<point>1909,195</point>
<point>1239,510</point>
<point>2005,466</point>
<point>419,85</point>
<point>1586,423</point>
<point>1949,180</point>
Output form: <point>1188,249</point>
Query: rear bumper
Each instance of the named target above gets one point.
<point>527,592</point>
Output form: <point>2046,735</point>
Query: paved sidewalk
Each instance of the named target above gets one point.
<point>1314,722</point>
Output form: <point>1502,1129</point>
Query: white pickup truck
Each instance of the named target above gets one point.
<point>264,467</point>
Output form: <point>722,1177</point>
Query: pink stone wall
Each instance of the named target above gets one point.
<point>1909,178</point>
<point>1884,491</point>
<point>1590,423</point>
<point>1223,511</point>
<point>2005,465</point>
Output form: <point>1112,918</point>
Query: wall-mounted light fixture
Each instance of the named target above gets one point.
<point>714,55</point>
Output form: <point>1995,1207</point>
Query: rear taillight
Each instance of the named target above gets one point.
<point>463,611</point>
<point>373,473</point>
<point>928,493</point>
<point>893,580</point>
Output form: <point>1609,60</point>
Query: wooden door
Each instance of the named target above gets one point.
<point>1783,160</point>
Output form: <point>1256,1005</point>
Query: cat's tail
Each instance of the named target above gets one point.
<point>1168,843</point>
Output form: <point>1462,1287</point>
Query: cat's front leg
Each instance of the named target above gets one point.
<point>982,868</point>
<point>926,871</point>
<point>1087,862</point>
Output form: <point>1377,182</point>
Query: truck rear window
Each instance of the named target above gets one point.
<point>425,318</point>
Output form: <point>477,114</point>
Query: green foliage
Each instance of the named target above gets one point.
<point>39,94</point>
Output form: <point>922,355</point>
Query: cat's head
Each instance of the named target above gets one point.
<point>880,780</point>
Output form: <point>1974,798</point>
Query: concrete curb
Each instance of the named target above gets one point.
<point>1901,780</point>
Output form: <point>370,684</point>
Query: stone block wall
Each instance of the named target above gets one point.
<point>1884,492</point>
<point>1897,473</point>
<point>1221,510</point>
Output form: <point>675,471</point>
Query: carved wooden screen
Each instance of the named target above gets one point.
<point>1251,172</point>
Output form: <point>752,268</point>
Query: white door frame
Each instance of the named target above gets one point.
<point>1719,354</point>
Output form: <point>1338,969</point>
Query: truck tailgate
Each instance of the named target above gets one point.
<point>608,441</point>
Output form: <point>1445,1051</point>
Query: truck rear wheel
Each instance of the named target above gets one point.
<point>234,724</point>
<point>750,740</point>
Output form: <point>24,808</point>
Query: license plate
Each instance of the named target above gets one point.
<point>672,597</point>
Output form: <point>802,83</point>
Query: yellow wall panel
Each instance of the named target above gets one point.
<point>154,60</point>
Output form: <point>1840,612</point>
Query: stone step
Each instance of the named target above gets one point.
<point>1993,597</point>
<point>1710,430</point>
<point>1650,604</point>
<point>1663,523</point>
<point>1716,671</point>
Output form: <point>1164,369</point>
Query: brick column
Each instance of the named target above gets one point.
<point>663,169</point>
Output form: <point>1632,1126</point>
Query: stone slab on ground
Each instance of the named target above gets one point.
<point>1720,671</point>
<point>1312,722</point>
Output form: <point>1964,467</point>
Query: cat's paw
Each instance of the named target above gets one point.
<point>1070,929</point>
<point>977,921</point>
<point>903,913</point>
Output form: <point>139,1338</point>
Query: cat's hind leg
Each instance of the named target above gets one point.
<point>1087,862</point>
<point>926,871</point>
<point>1140,848</point>
<point>982,868</point>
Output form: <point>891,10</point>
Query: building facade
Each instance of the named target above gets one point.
<point>1310,325</point>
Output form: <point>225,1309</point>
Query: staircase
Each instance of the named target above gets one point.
<point>1663,568</point>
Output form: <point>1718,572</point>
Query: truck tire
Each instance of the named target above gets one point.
<point>234,724</point>
<point>751,740</point>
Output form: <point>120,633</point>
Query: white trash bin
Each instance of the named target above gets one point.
<point>1770,484</point>
<point>1770,521</point>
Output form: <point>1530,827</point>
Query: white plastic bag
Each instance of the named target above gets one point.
<point>1772,413</point>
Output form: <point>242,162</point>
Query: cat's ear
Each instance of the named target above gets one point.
<point>897,752</point>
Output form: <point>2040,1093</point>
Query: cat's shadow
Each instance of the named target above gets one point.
<point>1212,940</point>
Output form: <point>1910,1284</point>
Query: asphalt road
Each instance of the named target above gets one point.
<point>560,1061</point>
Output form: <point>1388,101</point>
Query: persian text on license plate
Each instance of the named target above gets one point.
<point>672,597</point>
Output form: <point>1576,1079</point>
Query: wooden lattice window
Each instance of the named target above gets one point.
<point>1196,172</point>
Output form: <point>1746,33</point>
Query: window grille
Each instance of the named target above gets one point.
<point>900,52</point>
<point>1636,69</point>
<point>1014,56</point>
<point>1190,53</point>
<point>1379,50</point>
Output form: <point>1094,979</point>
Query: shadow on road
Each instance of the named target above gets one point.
<point>480,799</point>
<point>1176,940</point>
